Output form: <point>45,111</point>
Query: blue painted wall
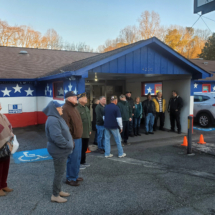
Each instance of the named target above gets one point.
<point>42,88</point>
<point>146,60</point>
<point>197,86</point>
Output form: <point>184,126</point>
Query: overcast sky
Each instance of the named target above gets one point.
<point>94,21</point>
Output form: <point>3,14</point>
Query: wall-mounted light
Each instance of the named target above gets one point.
<point>96,79</point>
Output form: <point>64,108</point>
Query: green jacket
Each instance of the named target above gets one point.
<point>125,110</point>
<point>86,120</point>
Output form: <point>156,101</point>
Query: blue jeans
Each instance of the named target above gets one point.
<point>101,136</point>
<point>137,122</point>
<point>149,122</point>
<point>117,138</point>
<point>73,161</point>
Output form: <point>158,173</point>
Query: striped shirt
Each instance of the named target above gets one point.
<point>160,101</point>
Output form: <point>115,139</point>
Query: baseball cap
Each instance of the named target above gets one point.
<point>113,98</point>
<point>69,94</point>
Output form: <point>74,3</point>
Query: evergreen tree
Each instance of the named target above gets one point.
<point>208,52</point>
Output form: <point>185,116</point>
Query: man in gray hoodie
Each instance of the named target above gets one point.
<point>60,145</point>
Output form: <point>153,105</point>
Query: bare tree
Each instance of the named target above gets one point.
<point>149,24</point>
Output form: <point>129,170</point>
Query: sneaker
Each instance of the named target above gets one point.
<point>122,156</point>
<point>151,133</point>
<point>82,166</point>
<point>86,164</point>
<point>109,156</point>
<point>146,133</point>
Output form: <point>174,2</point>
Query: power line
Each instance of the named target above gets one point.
<point>208,18</point>
<point>206,25</point>
<point>196,21</point>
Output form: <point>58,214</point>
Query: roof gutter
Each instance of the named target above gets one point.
<point>61,75</point>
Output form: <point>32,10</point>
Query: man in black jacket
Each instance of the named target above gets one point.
<point>100,124</point>
<point>174,108</point>
<point>126,114</point>
<point>149,114</point>
<point>132,106</point>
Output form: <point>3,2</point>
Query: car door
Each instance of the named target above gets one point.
<point>197,104</point>
<point>201,102</point>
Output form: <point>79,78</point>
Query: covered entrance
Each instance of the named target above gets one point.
<point>142,67</point>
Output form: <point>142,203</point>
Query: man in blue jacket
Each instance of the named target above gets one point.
<point>112,124</point>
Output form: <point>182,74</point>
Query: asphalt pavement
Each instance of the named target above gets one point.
<point>156,177</point>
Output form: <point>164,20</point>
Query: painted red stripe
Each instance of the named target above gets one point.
<point>25,119</point>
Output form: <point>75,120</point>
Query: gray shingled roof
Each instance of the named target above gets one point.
<point>38,62</point>
<point>207,65</point>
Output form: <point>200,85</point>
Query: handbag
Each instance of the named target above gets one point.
<point>5,151</point>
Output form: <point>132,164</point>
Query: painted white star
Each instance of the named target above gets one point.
<point>47,87</point>
<point>29,92</point>
<point>6,92</point>
<point>60,91</point>
<point>65,91</point>
<point>50,91</point>
<point>195,85</point>
<point>214,88</point>
<point>70,87</point>
<point>149,90</point>
<point>75,91</point>
<point>17,89</point>
<point>45,92</point>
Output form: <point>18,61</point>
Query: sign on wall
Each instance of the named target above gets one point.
<point>15,108</point>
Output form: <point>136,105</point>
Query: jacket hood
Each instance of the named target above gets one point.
<point>123,102</point>
<point>50,110</point>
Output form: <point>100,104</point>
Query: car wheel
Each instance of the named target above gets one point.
<point>204,120</point>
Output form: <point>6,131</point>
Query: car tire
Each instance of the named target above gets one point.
<point>204,120</point>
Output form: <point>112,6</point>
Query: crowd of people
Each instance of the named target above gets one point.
<point>69,126</point>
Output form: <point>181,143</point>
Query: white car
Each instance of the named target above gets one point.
<point>204,108</point>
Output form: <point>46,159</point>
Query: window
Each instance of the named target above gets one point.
<point>199,98</point>
<point>151,87</point>
<point>205,98</point>
<point>58,92</point>
<point>206,88</point>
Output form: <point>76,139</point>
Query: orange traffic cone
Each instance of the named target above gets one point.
<point>201,140</point>
<point>88,151</point>
<point>184,142</point>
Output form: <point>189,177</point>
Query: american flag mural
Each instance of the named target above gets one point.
<point>23,102</point>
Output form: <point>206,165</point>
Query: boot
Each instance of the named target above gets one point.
<point>7,189</point>
<point>58,199</point>
<point>138,133</point>
<point>64,194</point>
<point>2,193</point>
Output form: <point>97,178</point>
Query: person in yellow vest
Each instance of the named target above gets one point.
<point>160,108</point>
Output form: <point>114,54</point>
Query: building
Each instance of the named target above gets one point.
<point>207,84</point>
<point>148,66</point>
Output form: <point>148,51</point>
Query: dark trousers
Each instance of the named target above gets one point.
<point>160,115</point>
<point>125,131</point>
<point>4,169</point>
<point>59,167</point>
<point>95,138</point>
<point>131,126</point>
<point>175,117</point>
<point>85,142</point>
